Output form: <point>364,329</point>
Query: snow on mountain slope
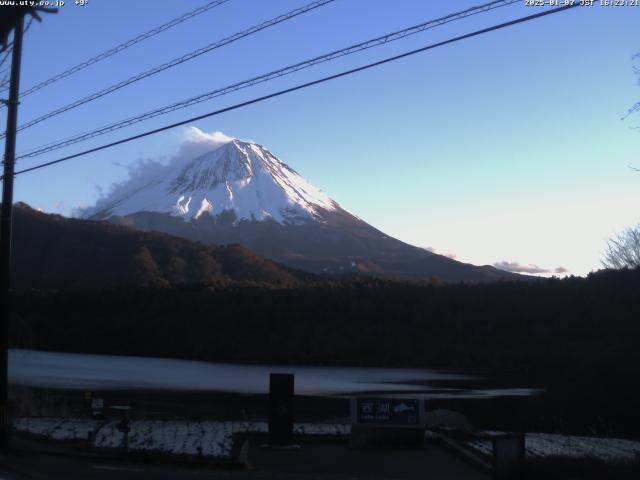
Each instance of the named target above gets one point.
<point>242,177</point>
<point>224,192</point>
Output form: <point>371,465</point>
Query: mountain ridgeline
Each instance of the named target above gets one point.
<point>240,193</point>
<point>51,252</point>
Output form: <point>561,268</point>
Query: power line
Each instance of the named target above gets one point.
<point>268,76</point>
<point>263,78</point>
<point>125,45</point>
<point>304,85</point>
<point>5,74</point>
<point>8,48</point>
<point>4,80</point>
<point>178,61</point>
<point>7,51</point>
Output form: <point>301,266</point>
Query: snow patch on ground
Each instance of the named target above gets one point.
<point>57,428</point>
<point>542,445</point>
<point>201,439</point>
<point>212,439</point>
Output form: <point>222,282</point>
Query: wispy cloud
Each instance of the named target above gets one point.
<point>213,139</point>
<point>517,267</point>
<point>195,142</point>
<point>531,269</point>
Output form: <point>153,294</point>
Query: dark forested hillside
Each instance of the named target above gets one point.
<point>163,296</point>
<point>577,338</point>
<point>54,252</point>
<point>510,325</point>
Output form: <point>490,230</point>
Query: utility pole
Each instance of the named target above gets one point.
<point>6,214</point>
<point>12,19</point>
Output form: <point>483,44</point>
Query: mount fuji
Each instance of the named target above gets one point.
<point>239,192</point>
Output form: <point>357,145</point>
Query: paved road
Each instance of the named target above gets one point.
<point>315,462</point>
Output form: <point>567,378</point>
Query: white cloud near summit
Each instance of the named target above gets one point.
<point>195,142</point>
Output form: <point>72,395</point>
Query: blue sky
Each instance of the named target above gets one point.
<point>505,147</point>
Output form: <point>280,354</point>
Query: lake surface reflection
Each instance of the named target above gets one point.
<point>106,372</point>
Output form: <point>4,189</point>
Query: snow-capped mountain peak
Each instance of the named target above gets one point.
<point>229,191</point>
<point>237,176</point>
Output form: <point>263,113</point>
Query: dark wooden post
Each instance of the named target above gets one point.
<point>281,391</point>
<point>125,427</point>
<point>508,455</point>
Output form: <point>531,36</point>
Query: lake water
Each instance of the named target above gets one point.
<point>106,372</point>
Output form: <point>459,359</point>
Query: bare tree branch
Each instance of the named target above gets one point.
<point>634,108</point>
<point>623,251</point>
